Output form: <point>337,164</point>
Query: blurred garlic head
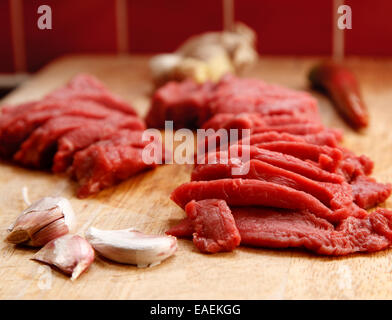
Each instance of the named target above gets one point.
<point>207,56</point>
<point>43,221</point>
<point>132,247</point>
<point>70,253</point>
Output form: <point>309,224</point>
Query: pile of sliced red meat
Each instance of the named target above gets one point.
<point>302,188</point>
<point>80,128</point>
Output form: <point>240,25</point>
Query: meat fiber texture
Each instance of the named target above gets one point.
<point>189,104</point>
<point>80,128</point>
<point>298,188</point>
<point>277,228</point>
<point>108,162</point>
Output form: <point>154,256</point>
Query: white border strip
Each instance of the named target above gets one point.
<point>122,26</point>
<point>18,36</point>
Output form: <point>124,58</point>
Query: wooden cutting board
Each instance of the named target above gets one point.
<point>143,202</point>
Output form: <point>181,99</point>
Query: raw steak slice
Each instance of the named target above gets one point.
<point>213,225</point>
<point>184,103</point>
<point>183,229</point>
<point>108,162</point>
<point>275,229</point>
<point>323,138</point>
<point>287,162</point>
<point>353,166</point>
<point>89,133</point>
<point>87,87</point>
<point>298,129</point>
<point>38,150</point>
<point>235,95</point>
<point>368,192</point>
<point>328,158</point>
<point>240,192</point>
<point>337,197</point>
<point>251,120</point>
<point>262,227</point>
<point>15,128</point>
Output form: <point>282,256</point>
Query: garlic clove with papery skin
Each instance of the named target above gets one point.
<point>70,253</point>
<point>130,246</point>
<point>43,221</point>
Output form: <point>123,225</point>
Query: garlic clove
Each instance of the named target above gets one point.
<point>131,246</point>
<point>44,220</point>
<point>71,254</point>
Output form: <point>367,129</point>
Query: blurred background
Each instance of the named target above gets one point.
<point>284,27</point>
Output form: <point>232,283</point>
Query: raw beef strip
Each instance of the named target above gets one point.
<point>184,103</point>
<point>22,107</point>
<point>240,192</point>
<point>183,229</point>
<point>235,95</point>
<point>89,133</point>
<point>353,166</point>
<point>108,162</point>
<point>38,150</point>
<point>287,162</point>
<point>262,227</point>
<point>298,129</point>
<point>213,225</point>
<point>328,158</point>
<point>87,87</point>
<point>15,128</point>
<point>251,120</point>
<point>368,192</point>
<point>323,138</point>
<point>190,105</point>
<point>337,197</point>
<point>267,228</point>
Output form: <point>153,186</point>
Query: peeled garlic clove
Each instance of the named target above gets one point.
<point>72,254</point>
<point>45,220</point>
<point>131,246</point>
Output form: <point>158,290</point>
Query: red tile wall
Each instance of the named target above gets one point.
<point>287,26</point>
<point>156,26</point>
<point>6,52</point>
<point>371,32</point>
<point>79,26</point>
<point>300,27</point>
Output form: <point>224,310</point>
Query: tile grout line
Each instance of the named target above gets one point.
<point>338,49</point>
<point>122,26</point>
<point>228,13</point>
<point>17,35</point>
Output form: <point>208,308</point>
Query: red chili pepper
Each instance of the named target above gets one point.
<point>342,87</point>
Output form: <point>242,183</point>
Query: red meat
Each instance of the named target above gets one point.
<point>108,162</point>
<point>184,103</point>
<point>16,127</point>
<point>87,87</point>
<point>353,166</point>
<point>268,228</point>
<point>89,133</point>
<point>368,192</point>
<point>251,120</point>
<point>287,162</point>
<point>38,150</point>
<point>298,129</point>
<point>323,138</point>
<point>235,95</point>
<point>328,158</point>
<point>337,197</point>
<point>189,104</point>
<point>240,192</point>
<point>213,225</point>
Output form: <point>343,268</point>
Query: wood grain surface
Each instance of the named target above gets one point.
<point>143,202</point>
